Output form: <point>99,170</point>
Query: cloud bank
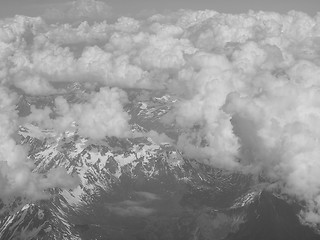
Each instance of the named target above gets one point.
<point>247,84</point>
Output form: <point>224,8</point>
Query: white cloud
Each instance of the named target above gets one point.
<point>126,24</point>
<point>103,115</point>
<point>164,53</point>
<point>33,85</point>
<point>84,33</point>
<point>247,85</point>
<point>17,178</point>
<point>100,116</point>
<point>79,10</point>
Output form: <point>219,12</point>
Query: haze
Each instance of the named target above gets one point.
<point>129,7</point>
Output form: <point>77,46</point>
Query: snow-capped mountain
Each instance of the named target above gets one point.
<point>134,188</point>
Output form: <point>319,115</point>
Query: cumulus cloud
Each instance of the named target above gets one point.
<point>278,133</point>
<point>79,10</point>
<point>100,116</point>
<point>17,178</point>
<point>103,115</point>
<point>85,33</point>
<point>33,85</point>
<point>247,85</point>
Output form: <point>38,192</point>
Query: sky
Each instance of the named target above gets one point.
<point>131,7</point>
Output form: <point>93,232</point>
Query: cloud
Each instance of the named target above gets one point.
<point>247,86</point>
<point>130,209</point>
<point>127,24</point>
<point>164,53</point>
<point>79,10</point>
<point>278,133</point>
<point>135,208</point>
<point>33,85</point>
<point>17,178</point>
<point>158,138</point>
<point>103,115</point>
<point>67,34</point>
<point>58,177</point>
<point>100,116</point>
